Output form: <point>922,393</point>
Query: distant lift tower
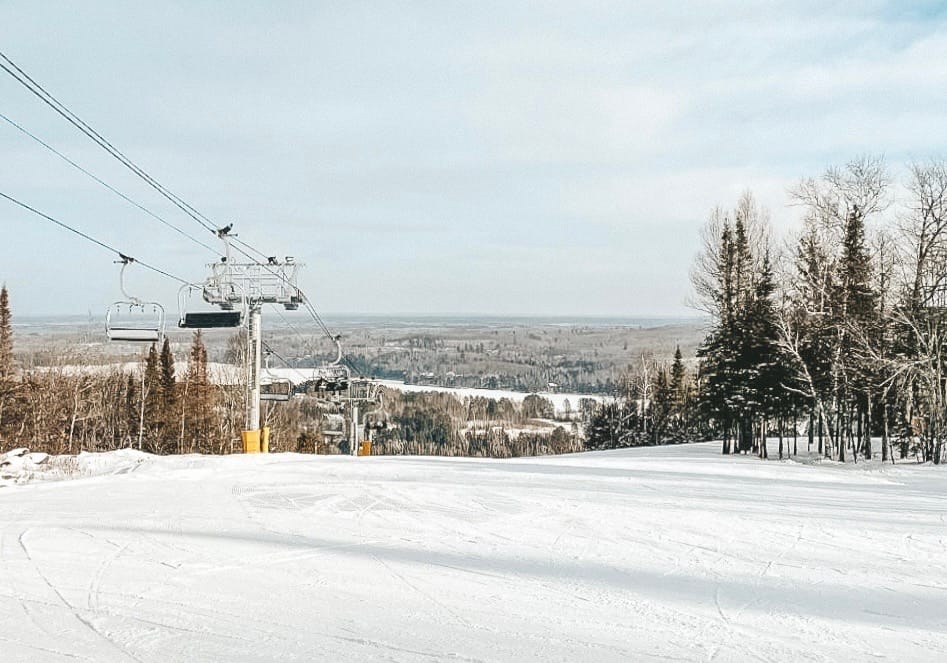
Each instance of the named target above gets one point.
<point>238,287</point>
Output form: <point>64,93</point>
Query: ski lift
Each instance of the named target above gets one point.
<point>133,320</point>
<point>273,387</point>
<point>227,318</point>
<point>332,425</point>
<point>377,418</point>
<point>276,389</point>
<point>331,380</point>
<point>326,381</point>
<point>363,390</point>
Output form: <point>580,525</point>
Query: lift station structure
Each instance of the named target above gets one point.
<point>233,296</point>
<point>239,291</point>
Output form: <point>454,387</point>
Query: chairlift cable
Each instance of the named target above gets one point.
<point>37,90</point>
<point>122,256</point>
<point>108,186</point>
<point>267,348</point>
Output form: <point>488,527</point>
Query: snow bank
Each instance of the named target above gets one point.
<point>20,466</point>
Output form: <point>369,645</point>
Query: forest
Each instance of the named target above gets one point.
<point>836,333</point>
<point>833,333</point>
<point>65,405</point>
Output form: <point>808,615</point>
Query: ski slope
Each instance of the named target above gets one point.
<point>657,554</point>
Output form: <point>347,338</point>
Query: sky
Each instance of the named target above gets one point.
<point>509,158</point>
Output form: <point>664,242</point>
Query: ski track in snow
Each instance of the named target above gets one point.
<point>661,554</point>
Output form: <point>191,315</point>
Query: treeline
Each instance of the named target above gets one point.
<point>839,334</point>
<point>69,407</point>
<point>657,405</point>
<point>442,424</point>
<point>431,423</point>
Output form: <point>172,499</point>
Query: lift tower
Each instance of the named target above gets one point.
<point>241,289</point>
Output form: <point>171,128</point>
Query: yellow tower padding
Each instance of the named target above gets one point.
<point>365,448</point>
<point>251,441</point>
<point>265,440</point>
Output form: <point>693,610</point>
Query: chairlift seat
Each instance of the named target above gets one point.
<point>134,335</point>
<point>211,320</point>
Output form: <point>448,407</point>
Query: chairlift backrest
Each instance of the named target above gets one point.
<point>276,389</point>
<point>332,424</point>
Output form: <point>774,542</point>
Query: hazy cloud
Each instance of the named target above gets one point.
<point>507,157</point>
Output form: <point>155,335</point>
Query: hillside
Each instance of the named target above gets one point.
<point>645,554</point>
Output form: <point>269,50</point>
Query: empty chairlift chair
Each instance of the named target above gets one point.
<point>133,320</point>
<point>276,389</point>
<point>213,319</point>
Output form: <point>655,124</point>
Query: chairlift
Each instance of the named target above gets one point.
<point>377,418</point>
<point>273,387</point>
<point>331,381</point>
<point>276,389</point>
<point>363,390</point>
<point>190,319</point>
<point>326,381</point>
<point>332,425</point>
<point>133,320</point>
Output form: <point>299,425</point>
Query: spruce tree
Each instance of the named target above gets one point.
<point>151,402</point>
<point>169,410</point>
<point>200,415</point>
<point>6,336</point>
<point>678,377</point>
<point>8,414</point>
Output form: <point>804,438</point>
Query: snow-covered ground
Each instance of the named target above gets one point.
<point>229,374</point>
<point>558,400</point>
<point>670,553</point>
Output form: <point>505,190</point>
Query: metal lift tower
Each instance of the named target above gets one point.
<point>242,289</point>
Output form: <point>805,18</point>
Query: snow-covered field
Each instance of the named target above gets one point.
<point>671,553</point>
<point>229,374</point>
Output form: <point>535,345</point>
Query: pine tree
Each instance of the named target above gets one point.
<point>6,336</point>
<point>132,409</point>
<point>151,402</point>
<point>771,374</point>
<point>661,406</point>
<point>199,408</point>
<point>681,398</point>
<point>678,377</point>
<point>169,410</point>
<point>7,384</point>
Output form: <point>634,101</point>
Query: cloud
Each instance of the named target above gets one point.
<point>531,157</point>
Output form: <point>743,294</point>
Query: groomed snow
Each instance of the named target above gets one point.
<point>671,553</point>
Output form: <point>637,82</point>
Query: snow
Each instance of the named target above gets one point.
<point>557,399</point>
<point>670,553</point>
<point>230,374</point>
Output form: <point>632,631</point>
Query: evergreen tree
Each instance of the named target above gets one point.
<point>152,401</point>
<point>6,336</point>
<point>661,406</point>
<point>169,400</point>
<point>132,410</point>
<point>770,365</point>
<point>200,415</point>
<point>729,356</point>
<point>678,379</point>
<point>8,405</point>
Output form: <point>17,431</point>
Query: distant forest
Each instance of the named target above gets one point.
<point>833,340</point>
